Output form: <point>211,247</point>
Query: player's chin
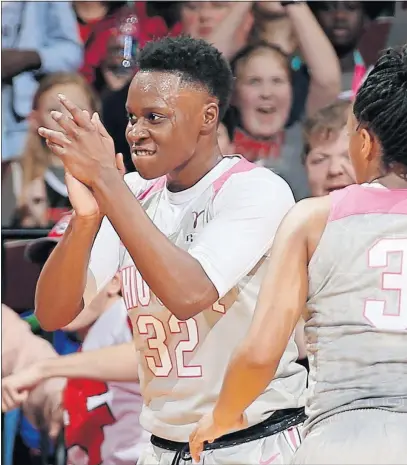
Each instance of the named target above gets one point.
<point>149,166</point>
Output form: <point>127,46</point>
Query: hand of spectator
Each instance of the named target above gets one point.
<point>83,145</point>
<point>16,387</point>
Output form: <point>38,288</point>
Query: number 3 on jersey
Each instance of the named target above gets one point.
<point>375,309</point>
<point>158,343</point>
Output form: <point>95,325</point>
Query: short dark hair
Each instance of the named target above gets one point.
<point>195,61</point>
<point>381,104</point>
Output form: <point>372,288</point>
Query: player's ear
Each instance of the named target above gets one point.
<point>210,118</point>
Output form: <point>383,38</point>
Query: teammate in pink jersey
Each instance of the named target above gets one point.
<point>190,234</point>
<point>344,258</point>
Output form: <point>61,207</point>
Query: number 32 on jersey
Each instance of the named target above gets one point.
<point>162,365</point>
<point>158,342</point>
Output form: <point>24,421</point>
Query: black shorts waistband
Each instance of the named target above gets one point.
<point>276,423</point>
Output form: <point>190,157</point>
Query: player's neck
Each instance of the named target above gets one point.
<point>394,180</point>
<point>194,169</point>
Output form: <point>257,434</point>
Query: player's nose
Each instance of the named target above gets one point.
<point>137,133</point>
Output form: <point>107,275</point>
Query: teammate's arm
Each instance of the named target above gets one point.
<point>114,363</point>
<point>281,301</point>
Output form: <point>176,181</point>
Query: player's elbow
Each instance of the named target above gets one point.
<point>190,304</point>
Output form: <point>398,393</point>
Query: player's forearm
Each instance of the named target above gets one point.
<point>173,275</point>
<point>319,55</point>
<point>114,363</point>
<point>244,382</point>
<point>61,285</point>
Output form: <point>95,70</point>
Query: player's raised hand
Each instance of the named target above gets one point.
<point>83,144</point>
<point>207,430</point>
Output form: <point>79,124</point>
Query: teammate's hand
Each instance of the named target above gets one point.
<point>207,430</point>
<point>16,387</point>
<point>83,144</point>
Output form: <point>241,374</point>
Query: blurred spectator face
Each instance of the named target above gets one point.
<point>224,142</point>
<point>97,306</point>
<point>200,19</point>
<point>263,92</point>
<point>328,164</point>
<point>33,213</point>
<point>49,102</point>
<point>343,22</point>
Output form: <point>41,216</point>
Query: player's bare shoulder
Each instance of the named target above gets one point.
<point>307,221</point>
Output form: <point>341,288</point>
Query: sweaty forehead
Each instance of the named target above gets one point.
<point>151,89</point>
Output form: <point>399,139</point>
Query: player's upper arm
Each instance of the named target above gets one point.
<point>284,290</point>
<point>105,256</point>
<point>247,212</point>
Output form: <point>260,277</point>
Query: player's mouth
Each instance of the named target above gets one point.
<point>142,152</point>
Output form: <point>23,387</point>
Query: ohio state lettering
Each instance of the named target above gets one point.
<point>135,290</point>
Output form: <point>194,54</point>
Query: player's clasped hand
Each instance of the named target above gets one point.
<point>207,430</point>
<point>83,144</point>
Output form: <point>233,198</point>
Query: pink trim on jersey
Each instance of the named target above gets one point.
<point>360,200</point>
<point>156,186</point>
<point>240,167</point>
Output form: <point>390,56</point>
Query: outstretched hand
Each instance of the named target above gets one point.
<point>83,144</point>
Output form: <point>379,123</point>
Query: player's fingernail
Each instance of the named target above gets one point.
<point>61,97</point>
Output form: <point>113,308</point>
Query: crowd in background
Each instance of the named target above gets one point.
<point>297,67</point>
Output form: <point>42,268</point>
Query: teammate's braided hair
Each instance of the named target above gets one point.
<point>195,61</point>
<point>381,104</point>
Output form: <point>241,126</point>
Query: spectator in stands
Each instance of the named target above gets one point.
<point>344,23</point>
<point>325,153</point>
<point>263,97</point>
<point>20,349</point>
<point>226,25</point>
<point>37,38</point>
<point>105,371</point>
<point>98,24</point>
<point>295,30</point>
<point>43,197</point>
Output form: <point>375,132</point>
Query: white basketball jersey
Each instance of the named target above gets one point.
<point>183,363</point>
<point>102,419</point>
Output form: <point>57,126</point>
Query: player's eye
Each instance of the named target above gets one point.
<point>154,118</point>
<point>131,118</point>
